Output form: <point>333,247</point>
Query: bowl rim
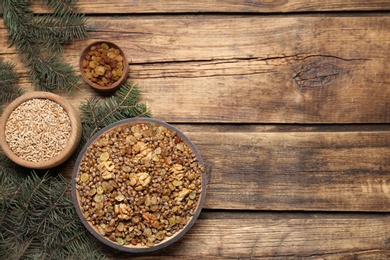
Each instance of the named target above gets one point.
<point>73,141</point>
<point>127,248</point>
<point>116,84</point>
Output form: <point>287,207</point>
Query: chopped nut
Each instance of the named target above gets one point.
<point>107,175</point>
<point>184,192</point>
<point>120,197</point>
<point>109,165</point>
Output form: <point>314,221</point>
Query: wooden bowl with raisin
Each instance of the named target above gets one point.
<point>139,185</point>
<point>103,66</point>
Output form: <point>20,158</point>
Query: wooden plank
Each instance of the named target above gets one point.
<point>253,168</point>
<point>251,69</point>
<point>325,171</point>
<point>230,6</point>
<point>220,235</point>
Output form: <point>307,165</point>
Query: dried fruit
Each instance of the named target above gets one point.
<point>103,65</point>
<point>104,156</point>
<point>84,177</point>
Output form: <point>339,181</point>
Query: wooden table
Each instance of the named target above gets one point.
<point>289,105</point>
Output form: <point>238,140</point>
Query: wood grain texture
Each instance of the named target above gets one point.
<point>252,69</point>
<point>220,235</point>
<point>288,104</point>
<point>325,171</point>
<point>230,6</point>
<point>265,168</point>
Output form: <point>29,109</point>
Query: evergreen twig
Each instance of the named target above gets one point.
<point>9,90</point>
<point>38,219</point>
<point>98,113</point>
<point>40,39</point>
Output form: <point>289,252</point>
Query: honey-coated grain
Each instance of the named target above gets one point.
<point>139,184</point>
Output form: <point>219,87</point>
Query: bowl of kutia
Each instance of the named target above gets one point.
<point>39,130</point>
<point>139,185</point>
<point>103,66</point>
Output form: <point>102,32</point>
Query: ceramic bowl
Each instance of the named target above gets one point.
<point>125,165</point>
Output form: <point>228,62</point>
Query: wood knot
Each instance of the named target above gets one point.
<point>317,72</point>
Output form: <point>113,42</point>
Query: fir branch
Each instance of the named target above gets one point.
<point>8,82</point>
<point>98,113</point>
<point>39,220</point>
<point>40,39</point>
<point>52,31</point>
<point>50,73</point>
<point>61,6</point>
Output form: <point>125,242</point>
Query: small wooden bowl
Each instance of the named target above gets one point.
<point>127,123</point>
<point>116,84</point>
<point>63,155</point>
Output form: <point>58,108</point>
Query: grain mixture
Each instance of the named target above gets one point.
<point>38,130</point>
<point>139,184</point>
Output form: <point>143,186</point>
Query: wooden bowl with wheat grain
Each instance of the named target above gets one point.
<point>103,66</point>
<point>39,130</point>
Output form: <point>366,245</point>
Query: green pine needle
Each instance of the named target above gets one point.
<point>98,113</point>
<point>9,90</point>
<point>51,73</point>
<point>38,219</point>
<point>40,39</point>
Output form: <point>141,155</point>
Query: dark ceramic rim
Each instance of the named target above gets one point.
<point>117,83</point>
<point>131,249</point>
